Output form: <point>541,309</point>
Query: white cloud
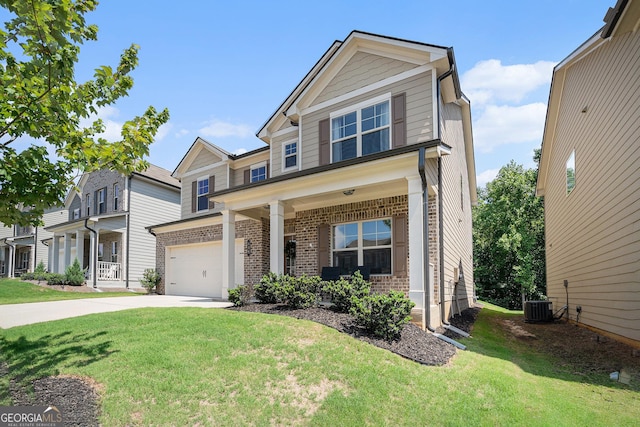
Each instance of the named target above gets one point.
<point>490,82</point>
<point>219,129</point>
<point>112,128</point>
<point>486,176</point>
<point>163,131</point>
<point>500,125</point>
<point>181,133</point>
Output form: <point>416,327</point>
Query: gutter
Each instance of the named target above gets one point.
<point>94,273</point>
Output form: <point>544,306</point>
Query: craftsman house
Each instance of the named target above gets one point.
<point>105,225</point>
<point>589,177</point>
<point>368,164</point>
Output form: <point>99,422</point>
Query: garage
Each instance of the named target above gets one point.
<point>196,270</point>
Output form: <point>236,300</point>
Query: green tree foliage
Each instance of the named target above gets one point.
<point>40,99</point>
<point>508,239</point>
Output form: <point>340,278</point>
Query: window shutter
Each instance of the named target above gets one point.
<point>247,176</point>
<point>400,245</point>
<point>266,171</point>
<point>95,203</point>
<point>106,198</point>
<point>194,196</point>
<point>325,139</point>
<point>323,246</point>
<point>399,112</point>
<point>212,186</point>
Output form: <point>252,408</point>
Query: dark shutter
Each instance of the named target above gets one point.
<point>247,176</point>
<point>212,186</point>
<point>399,250</point>
<point>398,113</point>
<point>194,196</point>
<point>325,139</point>
<point>323,247</point>
<point>95,203</point>
<point>266,171</point>
<point>106,198</point>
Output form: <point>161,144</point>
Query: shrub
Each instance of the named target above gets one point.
<point>54,279</point>
<point>267,290</point>
<point>341,291</point>
<point>240,295</point>
<point>27,276</point>
<point>383,315</point>
<point>150,279</point>
<point>299,292</point>
<point>40,272</point>
<point>74,275</point>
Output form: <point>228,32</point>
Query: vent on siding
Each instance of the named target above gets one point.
<point>538,311</point>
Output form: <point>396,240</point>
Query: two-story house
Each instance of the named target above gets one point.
<point>368,164</point>
<point>22,247</point>
<point>105,226</point>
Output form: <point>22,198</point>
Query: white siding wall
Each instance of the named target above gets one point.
<point>51,217</point>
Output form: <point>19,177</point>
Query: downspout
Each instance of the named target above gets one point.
<point>94,273</point>
<point>126,258</point>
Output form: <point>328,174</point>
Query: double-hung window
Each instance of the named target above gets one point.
<point>101,201</point>
<point>88,203</point>
<point>114,251</point>
<point>259,172</point>
<point>203,192</point>
<point>361,131</point>
<point>116,196</point>
<point>366,243</point>
<point>290,155</point>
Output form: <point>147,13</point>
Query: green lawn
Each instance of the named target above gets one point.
<point>13,291</point>
<point>191,366</point>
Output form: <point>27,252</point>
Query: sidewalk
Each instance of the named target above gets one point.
<point>25,314</point>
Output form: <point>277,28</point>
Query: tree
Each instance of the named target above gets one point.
<point>40,98</point>
<point>508,238</point>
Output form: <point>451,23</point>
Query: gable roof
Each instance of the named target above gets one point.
<point>156,173</point>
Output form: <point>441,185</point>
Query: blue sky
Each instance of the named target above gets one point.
<point>222,68</point>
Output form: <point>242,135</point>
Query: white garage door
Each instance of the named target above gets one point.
<point>196,270</point>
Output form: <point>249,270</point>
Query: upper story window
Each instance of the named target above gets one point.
<point>76,213</point>
<point>259,172</point>
<point>116,196</point>
<point>24,230</point>
<point>366,243</point>
<point>101,201</point>
<point>88,203</point>
<point>203,192</point>
<point>571,172</point>
<point>290,155</point>
<point>363,130</point>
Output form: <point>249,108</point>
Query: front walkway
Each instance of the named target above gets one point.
<point>25,314</point>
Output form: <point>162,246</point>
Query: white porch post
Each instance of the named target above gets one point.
<point>12,261</point>
<point>416,239</point>
<point>50,256</point>
<point>32,258</point>
<point>67,250</point>
<point>80,247</point>
<point>276,238</point>
<point>228,251</point>
<point>56,254</point>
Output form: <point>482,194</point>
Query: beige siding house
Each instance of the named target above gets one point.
<point>590,178</point>
<point>371,146</point>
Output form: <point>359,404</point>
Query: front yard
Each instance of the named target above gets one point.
<point>189,366</point>
<point>16,291</point>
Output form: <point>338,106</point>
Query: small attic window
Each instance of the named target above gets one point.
<point>571,172</point>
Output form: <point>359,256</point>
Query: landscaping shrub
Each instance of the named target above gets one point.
<point>299,292</point>
<point>54,279</point>
<point>267,290</point>
<point>240,295</point>
<point>74,275</point>
<point>341,291</point>
<point>383,315</point>
<point>27,276</point>
<point>40,272</point>
<point>150,279</point>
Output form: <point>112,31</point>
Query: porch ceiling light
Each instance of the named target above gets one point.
<point>349,192</point>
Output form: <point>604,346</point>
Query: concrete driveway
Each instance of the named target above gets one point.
<point>25,314</point>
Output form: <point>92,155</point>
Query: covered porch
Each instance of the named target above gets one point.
<point>17,255</point>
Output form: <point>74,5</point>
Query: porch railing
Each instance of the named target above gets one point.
<point>109,270</point>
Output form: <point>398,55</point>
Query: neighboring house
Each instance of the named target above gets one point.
<point>589,177</point>
<point>105,227</point>
<point>22,248</point>
<point>340,183</point>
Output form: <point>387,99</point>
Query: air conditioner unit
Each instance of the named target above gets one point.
<point>538,311</point>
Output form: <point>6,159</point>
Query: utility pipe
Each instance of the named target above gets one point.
<point>94,249</point>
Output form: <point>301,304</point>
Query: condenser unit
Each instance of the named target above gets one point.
<point>538,311</point>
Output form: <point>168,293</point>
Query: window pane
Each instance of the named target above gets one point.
<point>259,174</point>
<point>378,260</point>
<point>346,260</point>
<point>343,126</point>
<point>376,233</point>
<point>290,161</point>
<point>203,203</point>
<point>290,149</point>
<point>345,236</point>
<point>375,142</point>
<point>375,116</point>
<point>344,150</point>
<point>203,186</point>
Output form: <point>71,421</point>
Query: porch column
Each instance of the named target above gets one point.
<point>12,261</point>
<point>56,254</point>
<point>80,247</point>
<point>93,256</point>
<point>67,250</point>
<point>228,252</point>
<point>416,242</point>
<point>276,238</point>
<point>32,258</point>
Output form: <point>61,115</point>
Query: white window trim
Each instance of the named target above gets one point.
<point>357,108</point>
<point>360,248</point>
<point>76,213</point>
<point>258,166</point>
<point>116,196</point>
<point>284,156</point>
<point>202,178</point>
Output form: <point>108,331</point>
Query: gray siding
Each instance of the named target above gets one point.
<point>150,204</point>
<point>204,158</point>
<point>593,234</point>
<point>50,217</point>
<point>76,203</point>
<point>220,172</point>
